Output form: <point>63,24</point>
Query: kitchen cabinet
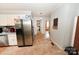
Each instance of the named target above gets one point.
<point>7,22</point>
<point>10,22</point>
<point>3,40</point>
<point>12,39</point>
<point>2,22</point>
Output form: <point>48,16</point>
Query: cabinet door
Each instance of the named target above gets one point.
<point>0,22</point>
<point>3,22</point>
<point>3,40</point>
<point>10,22</point>
<point>12,39</point>
<point>7,22</point>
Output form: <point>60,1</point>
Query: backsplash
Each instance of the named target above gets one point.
<point>7,29</point>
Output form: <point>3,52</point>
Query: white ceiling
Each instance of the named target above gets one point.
<point>44,8</point>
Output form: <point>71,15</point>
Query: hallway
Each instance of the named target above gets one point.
<point>41,46</point>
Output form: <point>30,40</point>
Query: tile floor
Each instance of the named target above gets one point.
<point>41,46</point>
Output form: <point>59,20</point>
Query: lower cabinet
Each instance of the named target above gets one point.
<point>3,40</point>
<point>12,39</point>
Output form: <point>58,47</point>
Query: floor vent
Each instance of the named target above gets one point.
<point>52,43</point>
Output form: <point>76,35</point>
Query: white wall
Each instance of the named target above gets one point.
<point>63,35</point>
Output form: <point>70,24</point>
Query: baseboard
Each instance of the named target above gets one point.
<point>57,45</point>
<point>13,45</point>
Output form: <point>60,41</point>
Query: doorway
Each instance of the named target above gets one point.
<point>47,27</point>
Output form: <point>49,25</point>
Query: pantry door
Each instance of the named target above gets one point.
<point>76,41</point>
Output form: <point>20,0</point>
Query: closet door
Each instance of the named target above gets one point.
<point>76,41</point>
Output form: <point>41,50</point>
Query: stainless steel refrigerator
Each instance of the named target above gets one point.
<point>24,32</point>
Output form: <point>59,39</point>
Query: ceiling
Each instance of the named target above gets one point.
<point>38,9</point>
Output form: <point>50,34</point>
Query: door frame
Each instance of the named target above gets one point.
<point>74,30</point>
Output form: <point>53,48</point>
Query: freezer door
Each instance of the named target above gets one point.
<point>27,30</point>
<point>19,37</point>
<point>19,33</point>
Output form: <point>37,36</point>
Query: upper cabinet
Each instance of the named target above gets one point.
<point>6,20</point>
<point>10,19</point>
<point>10,22</point>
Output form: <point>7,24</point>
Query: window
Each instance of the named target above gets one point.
<point>55,23</point>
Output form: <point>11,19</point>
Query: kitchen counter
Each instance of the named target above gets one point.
<point>3,34</point>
